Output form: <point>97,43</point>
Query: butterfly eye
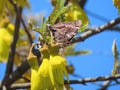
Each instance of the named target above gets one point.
<point>49,27</point>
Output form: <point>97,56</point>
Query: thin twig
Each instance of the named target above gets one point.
<point>96,30</point>
<point>105,85</point>
<point>26,79</point>
<point>26,30</point>
<point>116,28</point>
<point>97,16</point>
<point>86,80</point>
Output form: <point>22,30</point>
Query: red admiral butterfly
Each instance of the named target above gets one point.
<point>63,32</point>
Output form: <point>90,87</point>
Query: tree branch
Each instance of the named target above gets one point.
<point>86,80</point>
<point>115,28</point>
<point>96,30</point>
<point>9,67</point>
<point>81,81</point>
<point>17,73</point>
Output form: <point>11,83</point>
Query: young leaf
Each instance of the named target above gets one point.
<point>58,11</point>
<point>116,59</point>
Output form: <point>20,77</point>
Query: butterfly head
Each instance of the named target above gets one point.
<point>77,23</point>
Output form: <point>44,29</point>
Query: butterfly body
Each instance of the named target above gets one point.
<point>63,32</point>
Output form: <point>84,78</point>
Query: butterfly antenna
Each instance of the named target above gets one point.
<point>51,33</point>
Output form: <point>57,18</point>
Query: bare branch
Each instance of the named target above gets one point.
<point>9,67</point>
<point>96,30</point>
<point>86,80</point>
<point>81,81</point>
<point>105,85</point>
<point>15,38</point>
<point>115,28</point>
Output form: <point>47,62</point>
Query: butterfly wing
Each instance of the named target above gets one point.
<point>63,32</point>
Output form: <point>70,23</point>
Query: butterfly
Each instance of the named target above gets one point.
<point>63,32</point>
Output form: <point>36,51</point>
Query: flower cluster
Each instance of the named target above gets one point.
<point>50,74</point>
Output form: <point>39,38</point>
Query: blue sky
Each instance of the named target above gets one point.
<point>100,61</point>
